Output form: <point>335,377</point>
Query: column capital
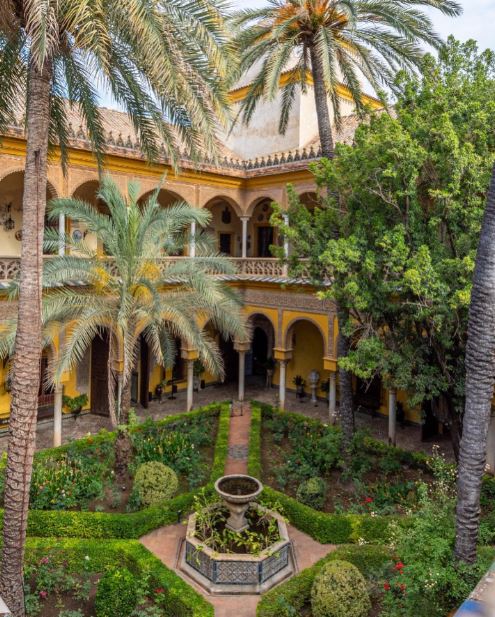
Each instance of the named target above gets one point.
<point>189,354</point>
<point>242,346</point>
<point>245,217</point>
<point>282,354</point>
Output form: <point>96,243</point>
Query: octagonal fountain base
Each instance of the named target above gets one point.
<point>229,573</point>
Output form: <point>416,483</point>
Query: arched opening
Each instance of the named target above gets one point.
<point>11,191</point>
<point>305,339</point>
<point>263,234</point>
<point>46,394</point>
<point>259,359</point>
<point>88,192</point>
<point>165,199</point>
<point>309,199</point>
<point>225,227</point>
<point>99,373</point>
<point>229,355</point>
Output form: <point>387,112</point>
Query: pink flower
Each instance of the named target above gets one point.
<point>43,595</point>
<point>44,560</point>
<point>160,590</point>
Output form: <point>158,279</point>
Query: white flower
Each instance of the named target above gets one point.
<point>86,557</point>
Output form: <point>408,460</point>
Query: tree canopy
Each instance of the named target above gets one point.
<point>397,233</point>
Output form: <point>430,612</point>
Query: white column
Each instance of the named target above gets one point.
<point>190,384</point>
<point>242,374</point>
<point>244,221</point>
<point>332,397</point>
<point>282,383</point>
<point>61,234</point>
<point>192,246</point>
<point>57,416</point>
<point>392,415</point>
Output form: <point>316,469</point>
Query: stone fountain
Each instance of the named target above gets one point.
<point>228,573</point>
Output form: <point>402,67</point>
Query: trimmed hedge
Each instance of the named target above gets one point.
<point>76,554</point>
<point>295,594</point>
<point>70,524</point>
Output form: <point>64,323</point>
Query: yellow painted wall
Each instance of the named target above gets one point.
<point>307,354</point>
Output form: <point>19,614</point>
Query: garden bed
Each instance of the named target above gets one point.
<point>80,475</point>
<point>302,458</point>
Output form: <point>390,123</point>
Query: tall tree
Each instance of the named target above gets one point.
<point>165,63</point>
<point>398,235</point>
<point>480,380</point>
<point>332,44</point>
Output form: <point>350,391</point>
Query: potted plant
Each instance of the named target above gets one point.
<point>299,382</point>
<point>74,404</point>
<point>269,368</point>
<point>159,390</point>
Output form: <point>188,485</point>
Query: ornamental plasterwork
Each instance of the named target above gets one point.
<point>288,299</point>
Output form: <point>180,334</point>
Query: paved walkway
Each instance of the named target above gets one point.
<point>240,424</point>
<point>408,437</point>
<point>165,542</point>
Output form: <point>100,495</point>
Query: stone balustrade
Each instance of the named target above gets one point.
<point>247,268</point>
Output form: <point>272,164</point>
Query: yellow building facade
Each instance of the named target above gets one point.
<point>289,324</point>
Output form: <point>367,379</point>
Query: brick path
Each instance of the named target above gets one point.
<point>165,542</point>
<point>240,424</point>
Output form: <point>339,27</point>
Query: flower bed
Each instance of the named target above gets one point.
<point>159,591</point>
<point>75,524</point>
<point>80,476</point>
<point>302,458</point>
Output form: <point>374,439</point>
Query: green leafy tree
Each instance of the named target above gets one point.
<point>332,43</point>
<point>397,235</point>
<point>165,63</point>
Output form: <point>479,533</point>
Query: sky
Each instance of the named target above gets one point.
<point>477,22</point>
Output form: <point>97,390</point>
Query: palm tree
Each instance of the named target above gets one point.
<point>331,44</point>
<point>165,63</point>
<point>134,292</point>
<point>480,380</point>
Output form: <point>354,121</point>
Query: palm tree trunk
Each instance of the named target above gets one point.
<point>26,369</point>
<point>480,379</point>
<point>123,443</point>
<point>321,101</point>
<point>346,395</point>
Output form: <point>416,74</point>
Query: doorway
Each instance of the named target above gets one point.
<point>265,240</point>
<point>99,374</point>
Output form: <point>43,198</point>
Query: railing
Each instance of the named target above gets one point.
<point>247,268</point>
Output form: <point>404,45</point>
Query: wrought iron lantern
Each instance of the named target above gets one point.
<point>6,217</point>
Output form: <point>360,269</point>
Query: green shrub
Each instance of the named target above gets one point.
<point>340,590</point>
<point>312,492</point>
<point>293,597</point>
<point>116,594</point>
<point>154,483</point>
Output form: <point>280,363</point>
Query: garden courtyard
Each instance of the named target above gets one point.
<point>247,309</point>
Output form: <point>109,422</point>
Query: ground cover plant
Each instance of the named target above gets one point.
<point>302,458</point>
<point>81,476</point>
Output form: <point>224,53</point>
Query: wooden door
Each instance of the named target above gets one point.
<point>99,375</point>
<point>144,384</point>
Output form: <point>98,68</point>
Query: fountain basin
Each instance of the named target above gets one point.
<point>229,573</point>
<point>238,491</point>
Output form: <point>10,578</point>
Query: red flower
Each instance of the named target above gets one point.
<point>159,590</point>
<point>402,587</point>
<point>399,565</point>
<point>368,500</point>
<point>386,586</point>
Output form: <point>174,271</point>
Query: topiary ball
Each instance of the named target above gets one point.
<point>154,483</point>
<point>340,590</point>
<point>312,492</point>
<point>116,594</point>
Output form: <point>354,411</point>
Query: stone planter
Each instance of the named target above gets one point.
<point>231,573</point>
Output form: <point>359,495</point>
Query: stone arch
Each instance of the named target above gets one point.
<point>228,200</point>
<point>11,193</point>
<point>263,341</point>
<point>290,326</point>
<point>256,202</point>
<point>262,233</point>
<point>166,197</point>
<point>304,336</point>
<point>225,226</point>
<point>309,199</point>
